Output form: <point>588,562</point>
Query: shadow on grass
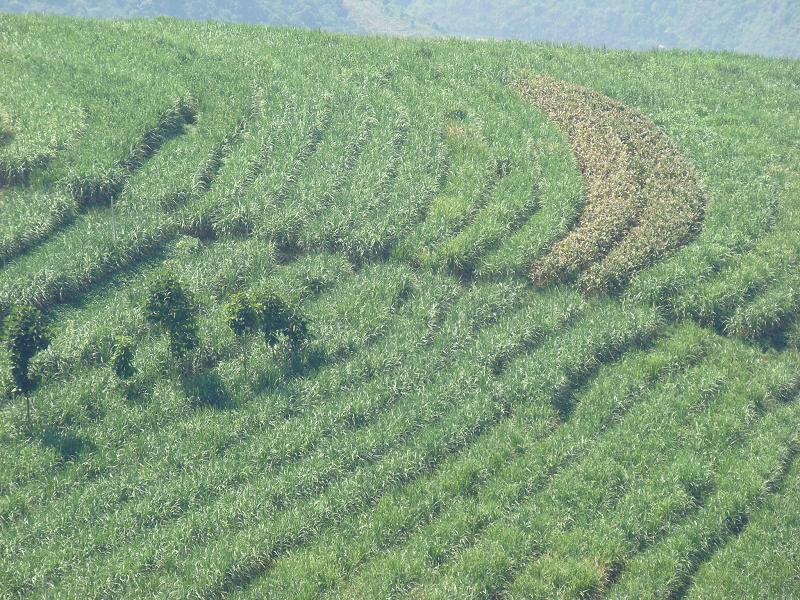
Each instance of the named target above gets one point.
<point>68,445</point>
<point>206,388</point>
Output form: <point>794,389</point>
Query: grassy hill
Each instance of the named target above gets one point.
<point>770,27</point>
<point>552,296</point>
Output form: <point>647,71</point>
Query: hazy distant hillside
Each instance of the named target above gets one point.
<point>769,27</point>
<point>327,14</point>
<point>754,26</point>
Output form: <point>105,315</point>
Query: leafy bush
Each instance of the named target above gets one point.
<point>25,334</point>
<point>122,357</point>
<point>280,321</point>
<point>244,318</point>
<point>297,330</point>
<point>275,318</point>
<point>171,306</point>
<point>243,314</point>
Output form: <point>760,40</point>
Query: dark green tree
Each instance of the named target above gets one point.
<point>244,318</point>
<point>297,330</point>
<point>275,319</point>
<point>122,352</point>
<point>173,307</point>
<point>25,335</point>
<point>283,324</point>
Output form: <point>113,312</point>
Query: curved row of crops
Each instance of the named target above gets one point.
<point>643,198</point>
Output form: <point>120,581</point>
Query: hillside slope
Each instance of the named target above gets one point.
<point>552,297</point>
<point>769,27</point>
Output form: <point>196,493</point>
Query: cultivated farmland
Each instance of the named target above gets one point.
<point>539,307</point>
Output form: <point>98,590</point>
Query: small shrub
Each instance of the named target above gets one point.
<point>244,318</point>
<point>275,319</point>
<point>171,306</point>
<point>243,314</point>
<point>25,335</point>
<point>122,352</point>
<point>280,321</point>
<point>297,330</point>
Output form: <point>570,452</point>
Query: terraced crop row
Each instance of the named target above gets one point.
<point>31,216</point>
<point>762,558</point>
<point>35,127</point>
<point>290,429</point>
<point>114,475</point>
<point>409,531</point>
<point>756,298</point>
<point>752,199</point>
<point>444,427</point>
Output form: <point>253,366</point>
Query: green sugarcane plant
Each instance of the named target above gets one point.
<point>25,335</point>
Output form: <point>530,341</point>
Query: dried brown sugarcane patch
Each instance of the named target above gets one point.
<point>643,197</point>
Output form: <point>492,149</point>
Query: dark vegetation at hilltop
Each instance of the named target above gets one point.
<point>770,27</point>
